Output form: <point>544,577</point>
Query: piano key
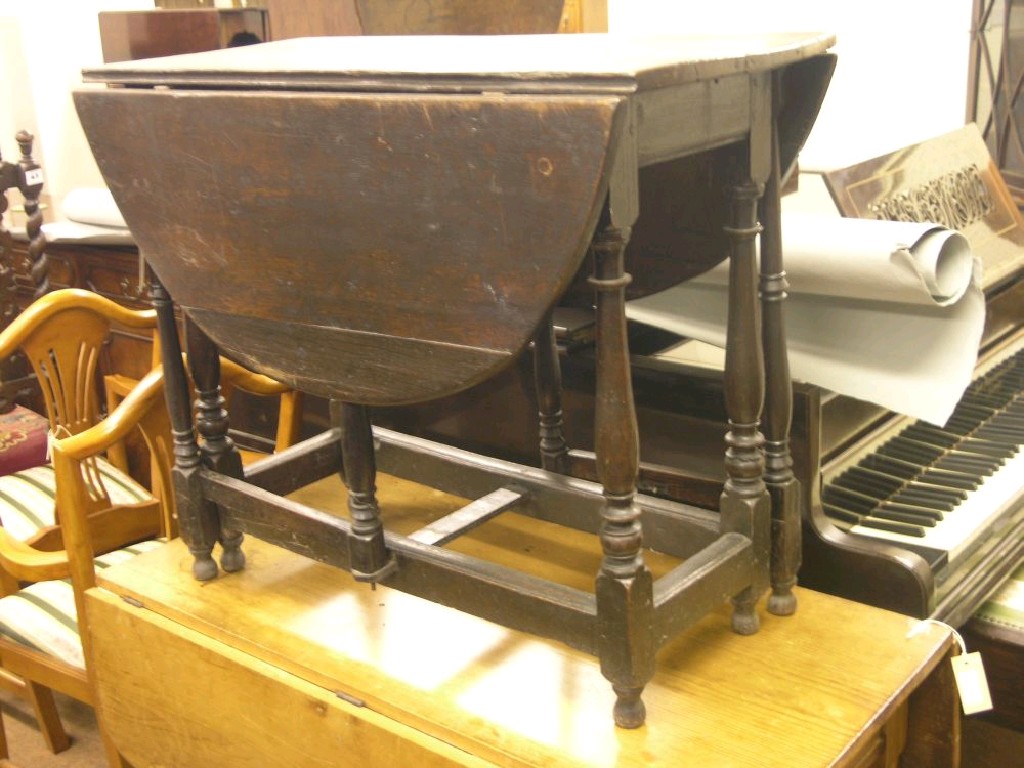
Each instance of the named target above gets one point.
<point>959,465</point>
<point>891,526</point>
<point>962,527</point>
<point>939,493</point>
<point>925,513</point>
<point>921,521</point>
<point>978,454</point>
<point>843,515</point>
<point>906,469</point>
<point>947,505</point>
<point>999,447</point>
<point>868,488</point>
<point>855,502</point>
<point>949,478</point>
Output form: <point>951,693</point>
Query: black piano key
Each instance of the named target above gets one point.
<point>926,513</point>
<point>841,514</point>
<point>855,502</point>
<point>894,527</point>
<point>932,434</point>
<point>996,432</point>
<point>884,513</point>
<point>972,443</point>
<point>908,470</point>
<point>908,450</point>
<point>960,464</point>
<point>995,399</point>
<point>864,493</point>
<point>891,465</point>
<point>936,492</point>
<point>872,479</point>
<point>950,479</point>
<point>907,497</point>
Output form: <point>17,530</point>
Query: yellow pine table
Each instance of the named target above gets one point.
<point>291,663</point>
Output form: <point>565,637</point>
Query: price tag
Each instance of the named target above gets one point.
<point>33,177</point>
<point>971,682</point>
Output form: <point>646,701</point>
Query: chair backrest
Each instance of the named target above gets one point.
<point>62,336</point>
<point>86,535</point>
<point>289,416</point>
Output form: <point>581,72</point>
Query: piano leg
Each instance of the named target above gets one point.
<point>745,506</point>
<point>554,452</point>
<point>624,588</point>
<point>783,486</point>
<point>197,518</point>
<point>217,448</point>
<point>368,556</point>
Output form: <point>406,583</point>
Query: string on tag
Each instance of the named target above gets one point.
<point>923,624</point>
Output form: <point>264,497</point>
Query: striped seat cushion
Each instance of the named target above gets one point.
<point>27,497</point>
<point>1006,607</point>
<point>42,616</point>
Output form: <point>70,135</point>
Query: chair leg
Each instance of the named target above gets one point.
<point>41,699</point>
<point>4,754</point>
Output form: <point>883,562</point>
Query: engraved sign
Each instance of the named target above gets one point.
<point>950,180</point>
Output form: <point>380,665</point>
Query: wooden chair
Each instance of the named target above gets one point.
<point>94,509</point>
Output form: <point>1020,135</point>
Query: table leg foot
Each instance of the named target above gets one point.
<point>745,620</point>
<point>782,601</point>
<point>629,710</point>
<point>232,559</point>
<point>204,567</point>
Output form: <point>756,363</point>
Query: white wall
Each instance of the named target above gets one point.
<point>901,75</point>
<point>44,44</point>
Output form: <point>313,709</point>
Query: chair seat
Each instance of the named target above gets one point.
<point>42,616</point>
<point>22,440</point>
<point>27,497</point>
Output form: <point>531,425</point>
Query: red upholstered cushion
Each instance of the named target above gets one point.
<point>22,440</point>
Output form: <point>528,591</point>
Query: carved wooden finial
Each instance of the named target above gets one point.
<point>25,141</point>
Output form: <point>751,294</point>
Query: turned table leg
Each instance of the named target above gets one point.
<point>218,449</point>
<point>783,487</point>
<point>554,452</point>
<point>744,502</point>
<point>625,603</point>
<point>198,520</point>
<point>369,558</point>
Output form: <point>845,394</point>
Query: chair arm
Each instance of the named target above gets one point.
<point>238,377</point>
<point>26,563</point>
<point>118,424</point>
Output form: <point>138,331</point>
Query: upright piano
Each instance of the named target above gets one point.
<point>908,515</point>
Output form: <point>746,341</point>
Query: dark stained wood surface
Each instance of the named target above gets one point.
<point>414,239</point>
<point>510,63</point>
<point>435,230</point>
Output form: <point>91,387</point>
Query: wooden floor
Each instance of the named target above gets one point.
<point>985,746</point>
